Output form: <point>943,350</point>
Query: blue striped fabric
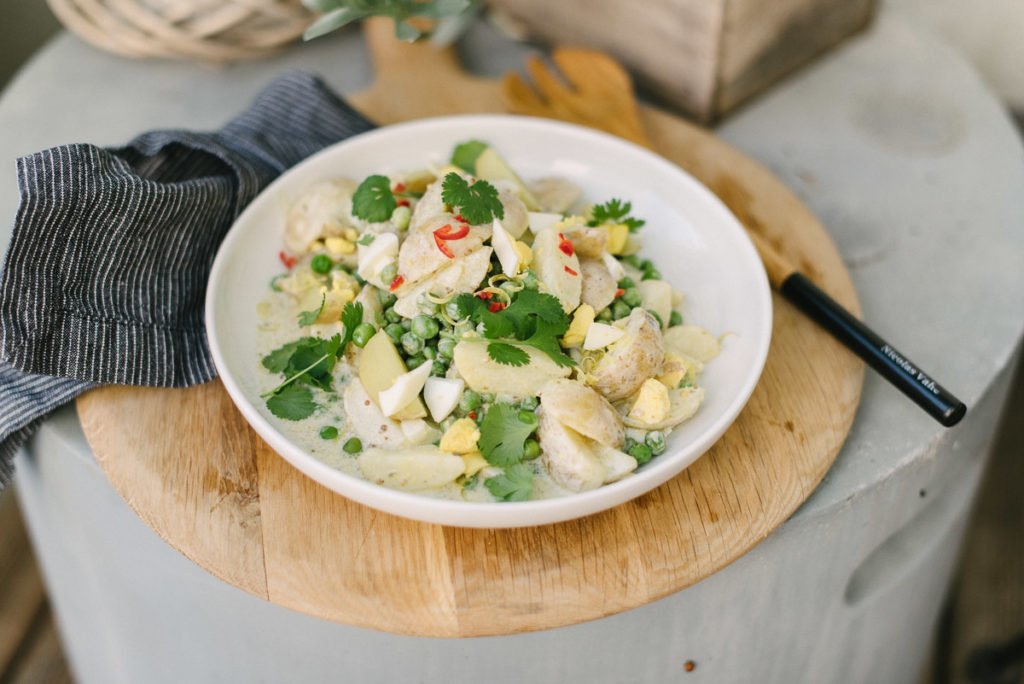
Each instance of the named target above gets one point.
<point>105,276</point>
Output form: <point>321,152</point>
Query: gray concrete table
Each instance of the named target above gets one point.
<point>917,173</point>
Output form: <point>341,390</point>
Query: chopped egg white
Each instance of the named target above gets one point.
<point>442,396</point>
<point>404,390</point>
<point>600,335</point>
<point>505,249</point>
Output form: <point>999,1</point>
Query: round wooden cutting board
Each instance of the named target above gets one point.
<point>189,465</point>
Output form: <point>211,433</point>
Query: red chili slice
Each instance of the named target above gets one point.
<point>570,271</point>
<point>445,232</point>
<point>403,203</point>
<point>399,187</point>
<point>396,283</point>
<point>484,295</point>
<point>472,414</point>
<point>619,293</point>
<point>439,241</point>
<point>288,261</point>
<point>566,245</point>
<point>495,307</point>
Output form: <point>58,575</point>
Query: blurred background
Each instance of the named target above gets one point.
<point>980,638</point>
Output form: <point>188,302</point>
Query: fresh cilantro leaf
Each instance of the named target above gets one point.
<point>477,202</point>
<point>545,339</point>
<point>507,354</point>
<point>495,325</point>
<point>503,435</point>
<point>530,303</point>
<point>515,484</point>
<point>615,211</point>
<point>533,318</point>
<point>373,200</point>
<point>278,360</point>
<point>309,360</point>
<point>465,155</point>
<point>293,402</point>
<point>309,317</point>
<point>351,317</point>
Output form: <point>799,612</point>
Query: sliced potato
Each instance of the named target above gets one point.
<point>412,469</point>
<point>483,374</point>
<point>379,366</point>
<point>683,403</point>
<point>419,256</point>
<point>555,194</point>
<point>631,359</point>
<point>369,297</point>
<point>323,209</point>
<point>656,295</point>
<point>616,463</point>
<point>587,241</point>
<point>692,341</point>
<point>568,455</point>
<point>584,410</point>
<point>559,271</point>
<point>516,219</point>
<point>367,421</point>
<point>428,206</point>
<point>599,286</point>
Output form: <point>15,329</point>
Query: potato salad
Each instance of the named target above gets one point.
<point>462,333</point>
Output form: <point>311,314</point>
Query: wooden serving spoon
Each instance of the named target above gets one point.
<point>594,90</point>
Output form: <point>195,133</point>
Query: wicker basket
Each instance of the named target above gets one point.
<point>207,30</point>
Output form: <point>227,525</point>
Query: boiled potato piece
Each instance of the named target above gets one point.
<point>419,256</point>
<point>325,208</point>
<point>584,410</point>
<point>428,206</point>
<point>483,374</point>
<point>379,366</point>
<point>369,297</point>
<point>588,242</point>
<point>555,194</point>
<point>559,271</point>
<point>368,421</point>
<point>412,469</point>
<point>616,463</point>
<point>656,295</point>
<point>568,455</point>
<point>599,286</point>
<point>461,275</point>
<point>515,221</point>
<point>692,341</point>
<point>491,167</point>
<point>631,359</point>
<point>683,403</point>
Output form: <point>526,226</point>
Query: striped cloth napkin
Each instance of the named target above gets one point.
<point>105,276</point>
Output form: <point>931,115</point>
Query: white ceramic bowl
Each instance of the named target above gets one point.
<point>695,241</point>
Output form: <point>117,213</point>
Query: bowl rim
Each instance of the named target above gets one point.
<point>492,515</point>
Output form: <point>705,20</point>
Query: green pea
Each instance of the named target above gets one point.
<point>395,332</point>
<point>528,417</point>
<point>362,334</point>
<point>425,327</point>
<point>470,400</point>
<point>530,403</point>
<point>353,446</point>
<point>653,274</point>
<point>530,281</point>
<point>387,299</point>
<point>626,283</point>
<point>661,323</point>
<point>321,264</point>
<point>414,362</point>
<point>453,310</point>
<point>631,297</point>
<point>605,314</point>
<point>620,310</point>
<point>646,265</point>
<point>675,319</point>
<point>400,217</point>
<point>531,449</point>
<point>656,441</point>
<point>389,273</point>
<point>411,343</point>
<point>328,432</point>
<point>439,369</point>
<point>429,353</point>
<point>392,316</point>
<point>445,348</point>
<point>641,452</point>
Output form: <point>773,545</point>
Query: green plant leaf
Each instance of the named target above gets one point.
<point>503,435</point>
<point>507,354</point>
<point>515,484</point>
<point>332,21</point>
<point>477,202</point>
<point>373,200</point>
<point>293,402</point>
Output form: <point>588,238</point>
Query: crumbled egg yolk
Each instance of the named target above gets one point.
<point>673,371</point>
<point>652,402</point>
<point>582,319</point>
<point>339,246</point>
<point>618,236</point>
<point>475,462</point>
<point>461,437</point>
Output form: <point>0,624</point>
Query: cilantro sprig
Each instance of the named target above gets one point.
<point>503,434</point>
<point>532,319</point>
<point>477,201</point>
<point>615,211</point>
<point>307,363</point>
<point>515,484</point>
<point>373,200</point>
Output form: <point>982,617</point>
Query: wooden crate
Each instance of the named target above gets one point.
<point>704,57</point>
